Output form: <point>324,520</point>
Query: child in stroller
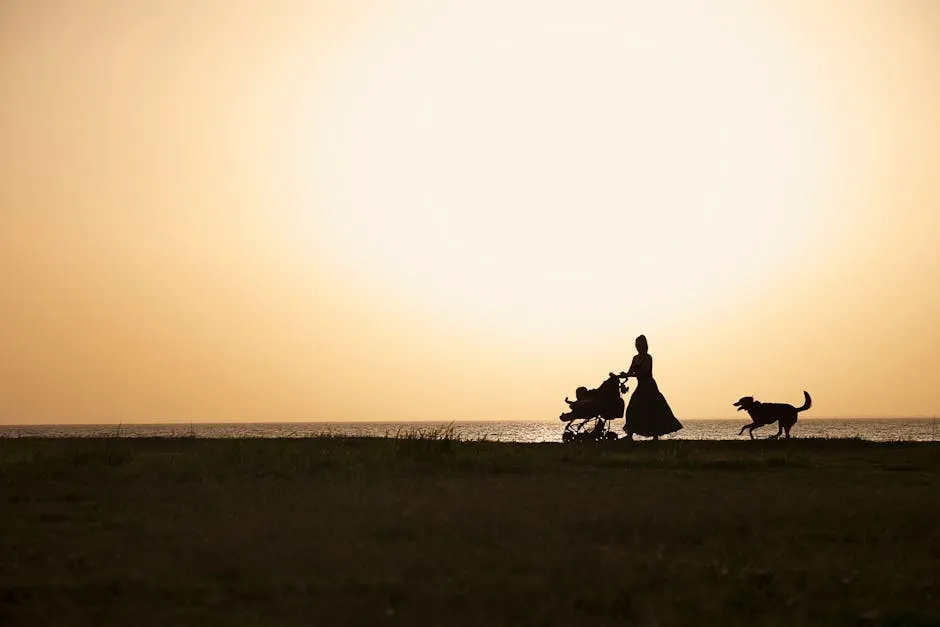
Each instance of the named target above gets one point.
<point>594,408</point>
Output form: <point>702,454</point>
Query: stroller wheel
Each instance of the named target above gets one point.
<point>610,435</point>
<point>567,436</point>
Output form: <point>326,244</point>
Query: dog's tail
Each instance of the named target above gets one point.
<point>807,404</point>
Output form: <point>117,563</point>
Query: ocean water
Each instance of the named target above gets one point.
<point>881,430</point>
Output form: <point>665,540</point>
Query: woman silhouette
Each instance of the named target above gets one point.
<point>648,414</point>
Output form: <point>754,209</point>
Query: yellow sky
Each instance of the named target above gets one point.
<point>413,209</point>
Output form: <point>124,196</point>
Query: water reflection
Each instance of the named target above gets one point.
<point>920,430</point>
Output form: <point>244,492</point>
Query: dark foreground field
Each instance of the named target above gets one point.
<point>437,532</point>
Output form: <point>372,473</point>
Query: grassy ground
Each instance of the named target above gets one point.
<point>429,531</point>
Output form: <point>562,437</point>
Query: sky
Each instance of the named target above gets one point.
<point>435,210</point>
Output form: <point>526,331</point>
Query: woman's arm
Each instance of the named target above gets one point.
<point>634,367</point>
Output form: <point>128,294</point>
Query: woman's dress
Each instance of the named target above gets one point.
<point>648,414</point>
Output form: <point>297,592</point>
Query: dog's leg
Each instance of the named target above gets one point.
<point>751,431</point>
<point>779,431</point>
<point>742,429</point>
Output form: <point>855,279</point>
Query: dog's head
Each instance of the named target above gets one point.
<point>746,402</point>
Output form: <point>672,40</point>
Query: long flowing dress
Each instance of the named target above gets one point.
<point>648,414</point>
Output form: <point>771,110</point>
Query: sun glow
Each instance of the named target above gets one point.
<point>436,209</point>
<point>552,165</point>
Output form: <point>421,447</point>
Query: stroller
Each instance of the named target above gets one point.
<point>592,409</point>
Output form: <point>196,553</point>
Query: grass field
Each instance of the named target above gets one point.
<point>428,530</point>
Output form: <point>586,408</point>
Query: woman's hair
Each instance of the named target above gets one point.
<point>641,339</point>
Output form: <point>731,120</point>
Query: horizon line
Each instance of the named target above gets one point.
<point>414,421</point>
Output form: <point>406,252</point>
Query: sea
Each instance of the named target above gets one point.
<point>874,429</point>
